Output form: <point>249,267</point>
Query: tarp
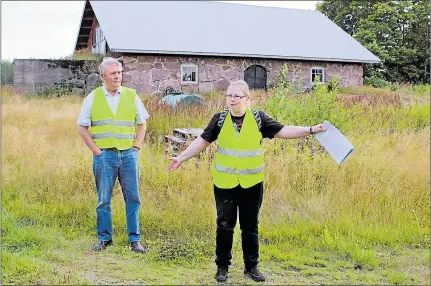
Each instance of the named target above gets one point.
<point>184,99</point>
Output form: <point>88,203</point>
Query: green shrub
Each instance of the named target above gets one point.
<point>376,82</point>
<point>6,72</point>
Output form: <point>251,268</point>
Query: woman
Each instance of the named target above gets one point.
<point>238,173</point>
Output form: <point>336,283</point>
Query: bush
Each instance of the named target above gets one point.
<point>422,89</point>
<point>334,83</point>
<point>307,109</point>
<point>53,91</point>
<point>376,82</point>
<point>85,54</point>
<point>6,72</point>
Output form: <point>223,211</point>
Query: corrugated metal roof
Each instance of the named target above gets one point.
<point>225,29</point>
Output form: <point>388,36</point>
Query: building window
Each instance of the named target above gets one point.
<point>99,35</point>
<point>317,72</point>
<point>99,42</point>
<point>189,74</point>
<point>93,38</point>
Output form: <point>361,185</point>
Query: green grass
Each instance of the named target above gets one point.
<point>366,222</point>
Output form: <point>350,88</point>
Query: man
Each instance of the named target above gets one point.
<point>117,118</point>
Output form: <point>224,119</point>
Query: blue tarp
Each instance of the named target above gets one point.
<point>184,99</point>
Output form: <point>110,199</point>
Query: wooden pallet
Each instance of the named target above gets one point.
<point>180,139</point>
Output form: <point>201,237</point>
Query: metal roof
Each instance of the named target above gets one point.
<point>225,29</point>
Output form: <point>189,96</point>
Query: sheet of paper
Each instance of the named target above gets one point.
<point>334,142</point>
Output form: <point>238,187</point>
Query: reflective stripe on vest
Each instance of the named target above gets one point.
<point>111,134</point>
<point>102,122</point>
<point>237,153</point>
<point>239,172</point>
<point>111,121</point>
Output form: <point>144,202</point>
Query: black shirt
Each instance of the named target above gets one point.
<point>269,127</point>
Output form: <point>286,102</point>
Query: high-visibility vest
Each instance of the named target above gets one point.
<point>239,158</point>
<point>109,130</point>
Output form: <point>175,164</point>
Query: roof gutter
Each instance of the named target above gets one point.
<point>244,55</point>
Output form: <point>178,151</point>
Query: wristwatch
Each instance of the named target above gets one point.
<point>136,147</point>
<point>311,131</point>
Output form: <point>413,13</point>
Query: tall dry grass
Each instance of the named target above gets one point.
<point>378,197</point>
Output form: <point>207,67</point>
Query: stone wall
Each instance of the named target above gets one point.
<point>153,74</point>
<point>34,75</point>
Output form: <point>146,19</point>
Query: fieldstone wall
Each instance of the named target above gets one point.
<point>153,74</point>
<point>34,75</point>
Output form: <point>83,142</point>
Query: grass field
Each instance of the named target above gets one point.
<point>366,222</point>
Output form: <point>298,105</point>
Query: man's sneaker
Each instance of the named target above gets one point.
<point>221,274</point>
<point>255,274</point>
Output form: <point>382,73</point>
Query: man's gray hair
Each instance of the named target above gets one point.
<point>106,62</point>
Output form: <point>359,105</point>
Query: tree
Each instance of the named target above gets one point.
<point>395,31</point>
<point>6,72</point>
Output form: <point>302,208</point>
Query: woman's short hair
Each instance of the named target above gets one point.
<point>242,85</point>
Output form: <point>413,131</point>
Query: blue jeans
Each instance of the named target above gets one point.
<point>107,166</point>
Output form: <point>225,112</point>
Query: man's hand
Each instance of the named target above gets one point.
<point>175,163</point>
<point>98,152</point>
<point>86,136</point>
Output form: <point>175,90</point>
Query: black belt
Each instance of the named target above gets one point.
<point>111,149</point>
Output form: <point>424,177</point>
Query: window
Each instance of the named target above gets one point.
<point>99,43</point>
<point>93,38</point>
<point>189,73</point>
<point>317,72</point>
<point>99,35</point>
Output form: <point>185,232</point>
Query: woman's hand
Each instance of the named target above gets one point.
<point>175,163</point>
<point>318,128</point>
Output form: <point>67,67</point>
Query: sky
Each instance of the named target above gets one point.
<point>48,29</point>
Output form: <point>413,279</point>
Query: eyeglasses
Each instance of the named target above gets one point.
<point>235,97</point>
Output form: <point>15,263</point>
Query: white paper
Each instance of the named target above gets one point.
<point>334,142</point>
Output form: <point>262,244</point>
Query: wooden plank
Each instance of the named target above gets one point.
<point>175,139</point>
<point>194,132</point>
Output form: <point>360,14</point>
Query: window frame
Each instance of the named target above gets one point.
<point>96,31</point>
<point>322,80</point>
<point>196,81</point>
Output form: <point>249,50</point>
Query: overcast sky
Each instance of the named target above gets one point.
<point>48,29</point>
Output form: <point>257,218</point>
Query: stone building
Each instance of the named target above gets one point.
<point>201,46</point>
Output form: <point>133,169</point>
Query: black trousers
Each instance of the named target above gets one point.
<point>228,203</point>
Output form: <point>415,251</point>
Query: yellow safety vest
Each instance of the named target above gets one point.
<point>109,130</point>
<point>239,159</point>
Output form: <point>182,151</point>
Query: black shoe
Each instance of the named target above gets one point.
<point>102,244</point>
<point>255,274</point>
<point>137,247</point>
<point>221,274</point>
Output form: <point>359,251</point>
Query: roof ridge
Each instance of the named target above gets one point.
<point>259,6</point>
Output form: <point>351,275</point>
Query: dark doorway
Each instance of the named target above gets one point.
<point>255,76</point>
